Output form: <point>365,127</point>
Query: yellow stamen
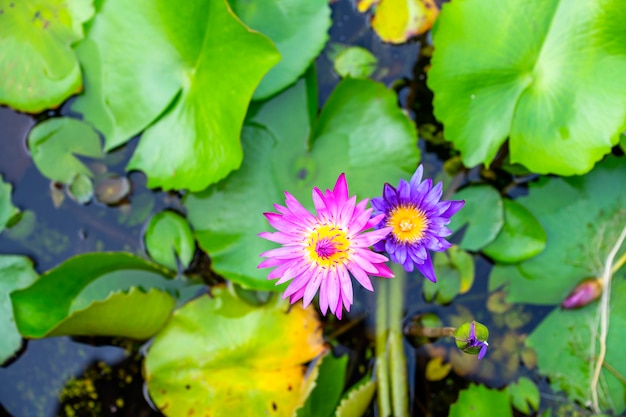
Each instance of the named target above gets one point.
<point>328,246</point>
<point>408,222</point>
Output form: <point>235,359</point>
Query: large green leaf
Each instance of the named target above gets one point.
<point>520,238</point>
<point>54,143</point>
<point>82,296</point>
<point>15,272</point>
<point>186,72</point>
<point>550,75</point>
<point>360,132</point>
<point>582,217</point>
<point>220,356</point>
<point>298,28</point>
<point>566,345</point>
<point>38,68</point>
<point>7,209</point>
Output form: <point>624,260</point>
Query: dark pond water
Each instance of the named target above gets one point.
<point>86,377</point>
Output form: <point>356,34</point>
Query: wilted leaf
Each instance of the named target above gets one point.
<point>521,70</point>
<point>282,154</point>
<point>223,357</point>
<point>396,21</point>
<point>38,68</point>
<point>436,370</point>
<point>142,70</point>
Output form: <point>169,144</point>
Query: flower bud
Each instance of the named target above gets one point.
<point>472,338</point>
<point>587,291</point>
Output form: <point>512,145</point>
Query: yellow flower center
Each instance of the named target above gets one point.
<point>328,246</point>
<point>408,222</point>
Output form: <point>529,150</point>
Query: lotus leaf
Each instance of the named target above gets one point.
<point>7,209</point>
<point>38,68</point>
<point>298,28</point>
<point>548,75</point>
<point>360,132</point>
<point>168,238</point>
<point>191,87</point>
<point>15,272</point>
<point>220,356</point>
<point>95,294</point>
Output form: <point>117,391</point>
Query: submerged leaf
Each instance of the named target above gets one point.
<point>15,272</point>
<point>38,68</point>
<point>223,357</point>
<point>82,297</point>
<point>480,401</point>
<point>355,62</point>
<point>54,143</point>
<point>7,209</point>
<point>548,75</point>
<point>360,132</point>
<point>189,89</point>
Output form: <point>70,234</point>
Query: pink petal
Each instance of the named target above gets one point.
<point>368,239</point>
<point>346,285</point>
<point>360,276</point>
<point>317,275</point>
<point>383,271</point>
<point>332,288</point>
<point>324,297</point>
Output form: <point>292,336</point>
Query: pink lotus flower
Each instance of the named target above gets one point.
<point>321,252</point>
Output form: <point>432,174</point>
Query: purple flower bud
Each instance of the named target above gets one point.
<point>586,292</point>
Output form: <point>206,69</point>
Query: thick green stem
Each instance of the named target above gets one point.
<point>382,369</point>
<point>397,359</point>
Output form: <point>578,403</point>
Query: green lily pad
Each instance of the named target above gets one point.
<point>191,87</point>
<point>15,272</point>
<point>524,395</point>
<point>358,398</point>
<point>92,294</point>
<point>169,237</point>
<point>480,401</point>
<point>566,346</point>
<point>7,209</point>
<point>327,389</point>
<point>482,213</point>
<point>521,237</point>
<point>220,356</point>
<point>550,76</point>
<point>53,144</point>
<point>81,189</point>
<point>361,132</point>
<point>582,217</point>
<point>298,28</point>
<point>38,68</point>
<point>455,275</point>
<point>355,62</point>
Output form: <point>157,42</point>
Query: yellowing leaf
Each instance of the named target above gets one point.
<point>396,21</point>
<point>220,356</point>
<point>436,370</point>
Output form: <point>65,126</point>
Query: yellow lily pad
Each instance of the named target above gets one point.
<point>395,21</point>
<point>220,356</point>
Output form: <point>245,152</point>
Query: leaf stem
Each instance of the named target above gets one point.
<point>397,359</point>
<point>603,314</point>
<point>382,370</point>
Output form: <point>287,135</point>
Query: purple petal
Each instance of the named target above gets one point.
<point>427,268</point>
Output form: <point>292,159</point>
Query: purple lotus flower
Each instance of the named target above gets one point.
<point>320,252</point>
<point>417,219</point>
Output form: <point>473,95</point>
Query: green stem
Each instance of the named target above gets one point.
<point>382,370</point>
<point>397,359</point>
